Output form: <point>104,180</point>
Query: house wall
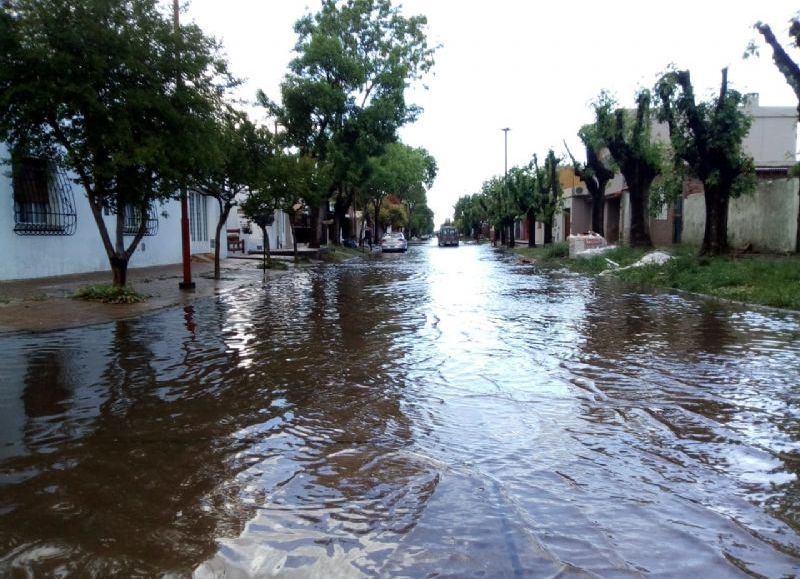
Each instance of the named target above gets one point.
<point>580,214</point>
<point>766,220</point>
<point>34,256</point>
<point>280,232</point>
<point>772,140</point>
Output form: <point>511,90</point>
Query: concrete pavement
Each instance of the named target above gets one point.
<point>47,304</point>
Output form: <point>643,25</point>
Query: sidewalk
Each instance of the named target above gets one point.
<point>47,304</point>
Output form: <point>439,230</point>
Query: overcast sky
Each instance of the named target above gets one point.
<point>530,66</point>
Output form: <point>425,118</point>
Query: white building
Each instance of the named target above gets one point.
<point>51,231</point>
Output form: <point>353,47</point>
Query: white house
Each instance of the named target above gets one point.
<point>48,229</point>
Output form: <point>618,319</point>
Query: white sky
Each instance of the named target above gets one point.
<point>531,66</point>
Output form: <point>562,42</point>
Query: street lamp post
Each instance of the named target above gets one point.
<point>505,187</point>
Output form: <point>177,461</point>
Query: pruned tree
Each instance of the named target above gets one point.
<point>112,92</point>
<point>523,190</point>
<point>791,72</point>
<point>549,188</point>
<point>595,174</point>
<point>239,154</point>
<point>707,141</point>
<point>628,137</point>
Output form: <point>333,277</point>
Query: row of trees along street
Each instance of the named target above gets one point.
<point>705,142</point>
<point>137,107</point>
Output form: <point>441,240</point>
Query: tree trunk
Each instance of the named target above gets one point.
<point>378,231</point>
<point>502,235</point>
<point>316,227</point>
<point>224,210</point>
<point>639,237</point>
<point>598,212</point>
<point>119,270</point>
<point>715,235</point>
<point>531,217</point>
<point>294,240</point>
<point>267,256</point>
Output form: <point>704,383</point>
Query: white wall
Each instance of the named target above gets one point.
<point>766,220</point>
<point>772,140</point>
<point>33,256</point>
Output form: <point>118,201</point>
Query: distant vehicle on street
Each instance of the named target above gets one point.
<point>394,242</point>
<point>448,235</point>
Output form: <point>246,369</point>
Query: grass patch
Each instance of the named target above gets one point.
<point>557,255</point>
<point>757,279</point>
<point>769,280</point>
<point>340,254</point>
<point>109,294</point>
<point>273,264</point>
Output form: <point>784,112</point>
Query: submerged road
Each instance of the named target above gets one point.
<point>446,411</point>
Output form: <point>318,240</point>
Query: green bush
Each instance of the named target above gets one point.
<point>109,294</point>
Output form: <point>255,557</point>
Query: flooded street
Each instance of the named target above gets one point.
<point>442,411</point>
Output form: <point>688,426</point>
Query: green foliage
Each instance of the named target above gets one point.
<point>627,135</point>
<point>394,215</point>
<point>97,86</point>
<point>767,280</point>
<point>420,220</point>
<point>548,200</point>
<point>109,294</point>
<point>344,97</point>
<point>707,139</point>
<point>470,214</point>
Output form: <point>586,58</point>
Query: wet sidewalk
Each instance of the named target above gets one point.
<point>47,303</point>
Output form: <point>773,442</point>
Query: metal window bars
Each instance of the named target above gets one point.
<point>44,203</point>
<point>132,220</point>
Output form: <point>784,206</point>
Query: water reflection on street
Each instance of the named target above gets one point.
<point>442,411</point>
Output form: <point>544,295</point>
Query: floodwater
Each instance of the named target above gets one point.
<point>443,412</point>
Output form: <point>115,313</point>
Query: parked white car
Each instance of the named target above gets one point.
<point>394,241</point>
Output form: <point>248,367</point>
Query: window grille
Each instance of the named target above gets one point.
<point>132,220</point>
<point>44,203</point>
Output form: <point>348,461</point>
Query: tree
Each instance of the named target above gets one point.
<point>639,160</point>
<point>394,214</point>
<point>237,163</point>
<point>112,92</point>
<point>707,140</point>
<point>402,171</point>
<point>287,182</point>
<point>550,192</point>
<point>791,73</point>
<point>523,192</point>
<point>470,214</point>
<point>595,174</point>
<point>420,220</point>
<point>344,96</point>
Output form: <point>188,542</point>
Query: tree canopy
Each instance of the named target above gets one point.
<point>628,136</point>
<point>111,91</point>
<point>343,98</point>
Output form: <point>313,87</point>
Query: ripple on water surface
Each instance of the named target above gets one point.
<point>445,411</point>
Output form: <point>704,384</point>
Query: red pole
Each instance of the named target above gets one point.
<point>187,283</point>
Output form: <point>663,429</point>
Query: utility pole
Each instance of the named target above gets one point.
<point>505,188</point>
<point>187,283</point>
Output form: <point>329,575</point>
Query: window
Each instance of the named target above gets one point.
<point>198,218</point>
<point>132,220</point>
<point>43,200</point>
